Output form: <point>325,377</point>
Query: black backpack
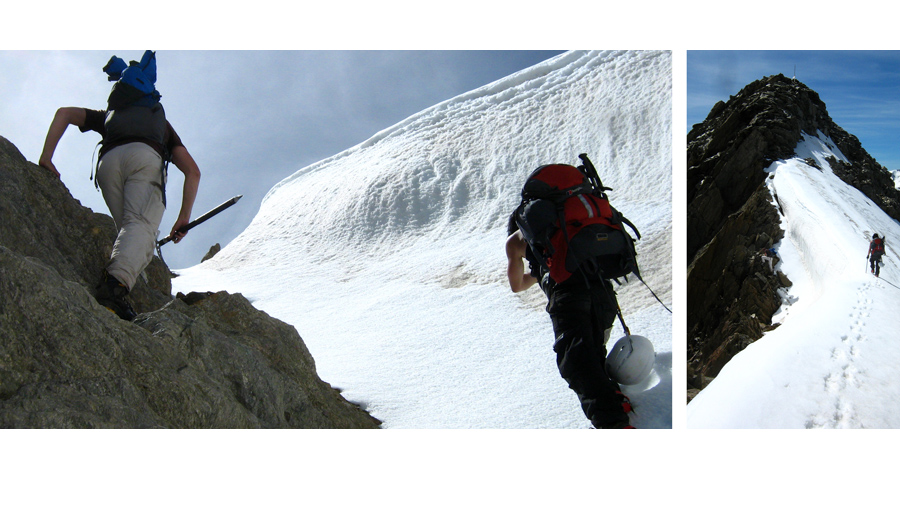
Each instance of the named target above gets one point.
<point>593,239</point>
<point>133,108</point>
<point>133,111</point>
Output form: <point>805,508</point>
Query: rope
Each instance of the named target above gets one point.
<point>654,295</point>
<point>622,320</point>
<point>888,282</point>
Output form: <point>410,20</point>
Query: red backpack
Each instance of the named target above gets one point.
<point>593,238</point>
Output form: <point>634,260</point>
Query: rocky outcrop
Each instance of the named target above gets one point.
<point>872,179</point>
<point>731,293</point>
<point>196,361</point>
<point>41,220</point>
<point>213,251</point>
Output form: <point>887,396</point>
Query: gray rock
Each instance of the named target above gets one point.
<point>196,361</point>
<point>212,252</point>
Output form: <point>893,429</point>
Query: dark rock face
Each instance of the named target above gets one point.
<point>729,151</point>
<point>874,180</point>
<point>731,291</point>
<point>196,361</point>
<point>731,294</point>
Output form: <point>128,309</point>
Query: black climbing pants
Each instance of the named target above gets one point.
<point>581,312</point>
<point>874,260</point>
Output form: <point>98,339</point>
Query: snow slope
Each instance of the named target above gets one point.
<point>832,362</point>
<point>389,257</point>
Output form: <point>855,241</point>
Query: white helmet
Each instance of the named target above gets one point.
<point>630,360</point>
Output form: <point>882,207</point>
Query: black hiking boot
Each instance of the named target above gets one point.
<point>622,422</point>
<point>111,294</point>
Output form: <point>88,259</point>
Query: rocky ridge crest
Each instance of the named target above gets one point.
<point>731,293</point>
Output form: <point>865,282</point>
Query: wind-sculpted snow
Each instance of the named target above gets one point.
<point>832,361</point>
<point>389,257</point>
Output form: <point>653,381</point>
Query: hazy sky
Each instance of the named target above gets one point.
<point>249,118</point>
<point>861,89</point>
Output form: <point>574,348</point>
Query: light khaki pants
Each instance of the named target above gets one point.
<point>130,177</point>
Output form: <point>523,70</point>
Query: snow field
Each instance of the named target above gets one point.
<point>389,258</point>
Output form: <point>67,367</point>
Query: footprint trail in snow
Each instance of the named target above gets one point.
<point>844,375</point>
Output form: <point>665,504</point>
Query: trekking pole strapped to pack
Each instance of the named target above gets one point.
<point>588,168</point>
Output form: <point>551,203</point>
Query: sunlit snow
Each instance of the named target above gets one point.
<point>832,362</point>
<point>389,258</point>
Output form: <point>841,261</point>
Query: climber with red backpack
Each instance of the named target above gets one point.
<point>574,266</point>
<point>876,251</point>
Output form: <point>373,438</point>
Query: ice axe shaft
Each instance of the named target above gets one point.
<point>202,218</point>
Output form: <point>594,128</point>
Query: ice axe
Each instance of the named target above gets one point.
<point>201,219</point>
<point>196,222</point>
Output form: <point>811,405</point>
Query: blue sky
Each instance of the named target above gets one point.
<point>861,89</point>
<point>249,118</point>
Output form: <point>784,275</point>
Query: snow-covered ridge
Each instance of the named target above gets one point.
<point>389,257</point>
<point>830,362</point>
<point>456,169</point>
<point>492,93</point>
